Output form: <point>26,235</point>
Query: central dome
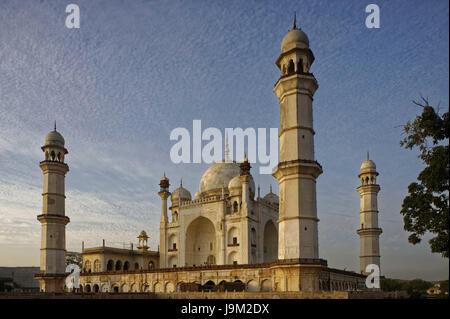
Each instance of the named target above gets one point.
<point>218,176</point>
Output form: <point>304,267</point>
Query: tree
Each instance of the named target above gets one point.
<point>444,286</point>
<point>388,284</point>
<point>426,207</point>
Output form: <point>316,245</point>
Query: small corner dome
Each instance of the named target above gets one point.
<point>271,198</point>
<point>295,38</point>
<point>181,193</point>
<point>54,138</point>
<point>235,183</point>
<point>235,186</point>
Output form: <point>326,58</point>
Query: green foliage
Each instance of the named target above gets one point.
<point>418,285</point>
<point>426,207</point>
<point>390,285</point>
<point>444,285</point>
<point>416,288</point>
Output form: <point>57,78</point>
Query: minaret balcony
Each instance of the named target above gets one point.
<point>59,219</point>
<point>49,166</point>
<point>305,82</point>
<point>369,231</point>
<point>299,166</point>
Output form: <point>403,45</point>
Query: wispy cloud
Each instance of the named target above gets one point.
<point>132,73</point>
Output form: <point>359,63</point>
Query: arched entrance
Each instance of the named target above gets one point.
<point>200,242</point>
<point>170,287</point>
<point>266,285</point>
<point>158,287</point>
<point>232,258</point>
<point>110,265</point>
<point>270,249</point>
<point>172,262</point>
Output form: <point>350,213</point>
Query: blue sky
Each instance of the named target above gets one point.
<point>136,70</point>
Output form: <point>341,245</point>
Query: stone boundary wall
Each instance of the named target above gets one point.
<point>255,295</point>
<point>214,295</point>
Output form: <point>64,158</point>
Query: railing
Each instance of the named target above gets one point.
<point>296,261</point>
<point>201,200</point>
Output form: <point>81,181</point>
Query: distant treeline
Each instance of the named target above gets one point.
<point>416,288</point>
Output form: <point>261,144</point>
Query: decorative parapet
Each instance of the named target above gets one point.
<point>195,202</point>
<point>120,251</point>
<point>369,231</point>
<point>281,262</point>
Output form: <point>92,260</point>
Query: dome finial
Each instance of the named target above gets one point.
<point>295,20</point>
<point>271,188</point>
<point>55,126</point>
<point>181,182</point>
<point>367,155</point>
<point>227,150</point>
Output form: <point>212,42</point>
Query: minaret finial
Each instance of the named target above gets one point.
<point>227,150</point>
<point>295,20</point>
<point>181,182</point>
<point>55,125</point>
<point>271,188</point>
<point>367,155</point>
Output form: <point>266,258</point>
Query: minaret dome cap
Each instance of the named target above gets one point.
<point>143,234</point>
<point>368,166</point>
<point>295,38</point>
<point>54,138</point>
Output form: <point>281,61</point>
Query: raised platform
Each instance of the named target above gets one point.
<point>292,275</point>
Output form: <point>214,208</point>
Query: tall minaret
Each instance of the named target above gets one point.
<point>163,241</point>
<point>369,232</point>
<point>297,170</point>
<point>244,176</point>
<point>53,218</point>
